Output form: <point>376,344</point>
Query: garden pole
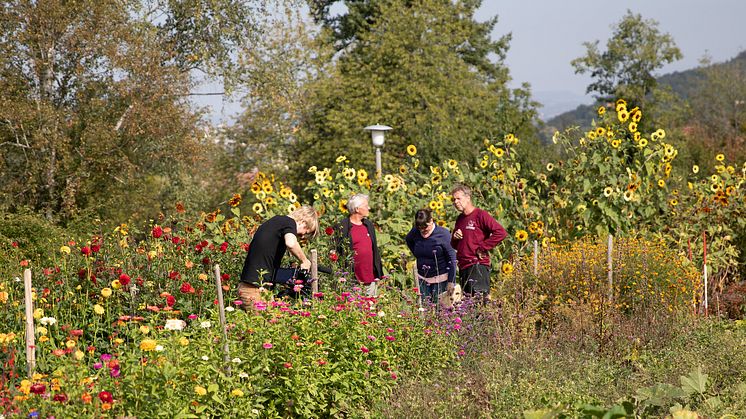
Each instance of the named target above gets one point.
<point>221,310</point>
<point>536,257</point>
<point>30,337</point>
<point>314,271</point>
<point>704,245</point>
<point>417,284</point>
<point>610,267</point>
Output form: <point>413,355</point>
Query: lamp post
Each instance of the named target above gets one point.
<point>377,134</point>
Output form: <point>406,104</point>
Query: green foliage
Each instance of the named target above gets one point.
<point>34,239</point>
<point>412,69</point>
<point>625,69</point>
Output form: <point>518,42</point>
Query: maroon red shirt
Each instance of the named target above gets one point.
<point>481,234</point>
<point>362,251</point>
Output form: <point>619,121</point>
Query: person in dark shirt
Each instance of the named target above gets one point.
<point>268,246</point>
<point>436,259</point>
<point>357,235</point>
<point>475,234</point>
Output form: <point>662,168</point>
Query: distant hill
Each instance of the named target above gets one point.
<point>683,83</point>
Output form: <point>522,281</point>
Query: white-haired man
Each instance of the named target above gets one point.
<point>355,236</point>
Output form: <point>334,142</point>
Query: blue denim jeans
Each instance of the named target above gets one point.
<point>430,292</point>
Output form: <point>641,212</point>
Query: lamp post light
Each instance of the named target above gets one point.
<point>377,134</point>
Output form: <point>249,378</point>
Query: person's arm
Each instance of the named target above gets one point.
<point>451,254</point>
<point>291,242</point>
<point>494,232</point>
<point>410,240</point>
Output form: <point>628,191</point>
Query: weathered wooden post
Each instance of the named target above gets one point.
<point>30,336</point>
<point>536,257</point>
<point>704,269</point>
<point>314,271</point>
<point>221,311</point>
<point>417,284</point>
<point>610,267</point>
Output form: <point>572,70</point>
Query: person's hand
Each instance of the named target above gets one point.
<point>481,254</point>
<point>306,264</point>
<point>458,235</point>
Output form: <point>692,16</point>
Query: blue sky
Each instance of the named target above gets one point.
<point>548,34</point>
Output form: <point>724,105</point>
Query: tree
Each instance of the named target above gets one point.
<point>423,67</point>
<point>94,98</point>
<point>635,50</point>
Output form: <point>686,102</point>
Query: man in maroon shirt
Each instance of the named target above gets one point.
<point>357,234</point>
<point>475,234</point>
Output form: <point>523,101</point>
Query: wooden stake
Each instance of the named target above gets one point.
<point>610,267</point>
<point>314,271</point>
<point>536,257</point>
<point>221,311</point>
<point>704,241</point>
<point>30,336</point>
<point>417,284</point>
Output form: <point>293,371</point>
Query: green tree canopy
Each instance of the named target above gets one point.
<point>414,67</point>
<point>625,69</point>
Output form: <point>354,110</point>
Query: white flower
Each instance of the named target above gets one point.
<point>159,348</point>
<point>421,309</point>
<point>254,411</point>
<point>48,321</point>
<point>205,325</point>
<point>205,358</point>
<point>243,375</point>
<point>174,324</point>
<point>381,313</point>
<point>236,360</point>
<point>229,308</point>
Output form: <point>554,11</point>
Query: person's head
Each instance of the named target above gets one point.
<point>462,198</point>
<point>423,218</point>
<point>307,220</point>
<point>358,204</point>
<point>423,221</point>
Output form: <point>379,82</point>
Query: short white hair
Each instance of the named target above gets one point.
<point>356,201</point>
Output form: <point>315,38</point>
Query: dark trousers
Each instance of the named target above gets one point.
<point>475,279</point>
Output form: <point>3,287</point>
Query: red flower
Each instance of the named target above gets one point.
<point>186,288</point>
<point>174,275</point>
<point>329,231</point>
<point>105,397</point>
<point>333,256</point>
<point>124,279</point>
<point>60,397</point>
<point>205,261</point>
<point>364,350</point>
<point>170,300</point>
<point>245,247</point>
<point>157,232</point>
<point>14,244</point>
<point>24,263</point>
<point>95,248</point>
<point>76,332</point>
<point>224,277</point>
<point>38,388</point>
<point>287,365</point>
<point>85,250</point>
<point>175,240</point>
<point>224,247</point>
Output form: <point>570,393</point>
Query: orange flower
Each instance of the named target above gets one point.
<point>86,398</point>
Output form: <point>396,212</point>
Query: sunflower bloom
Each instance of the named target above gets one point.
<point>608,191</point>
<point>507,268</point>
<point>521,235</point>
<point>411,150</point>
<point>720,157</point>
<point>601,110</point>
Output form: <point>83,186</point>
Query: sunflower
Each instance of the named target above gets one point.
<point>623,115</point>
<point>616,143</point>
<point>720,157</point>
<point>661,133</point>
<point>435,180</point>
<point>348,173</point>
<point>484,163</point>
<point>441,223</point>
<point>609,134</point>
<point>591,135</point>
<point>433,205</point>
<point>632,127</point>
<point>340,159</point>
<point>270,201</point>
<point>600,131</point>
<point>507,268</point>
<point>608,191</point>
<point>550,167</point>
<point>628,195</point>
<point>521,235</point>
<point>499,152</point>
<point>267,187</point>
<point>714,178</point>
<point>256,187</point>
<point>661,183</point>
<point>621,102</point>
<point>637,136</point>
<point>673,202</point>
<point>452,164</point>
<point>293,198</point>
<point>411,150</point>
<point>261,195</point>
<point>320,178</point>
<point>730,190</point>
<point>637,115</point>
<point>715,187</point>
<point>235,200</point>
<point>403,169</point>
<point>257,208</point>
<point>642,143</point>
<point>532,227</point>
<point>342,205</point>
<point>545,242</point>
<point>601,110</point>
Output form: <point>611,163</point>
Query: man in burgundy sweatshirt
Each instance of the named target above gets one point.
<point>475,234</point>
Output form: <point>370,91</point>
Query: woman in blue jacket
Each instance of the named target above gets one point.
<point>436,260</point>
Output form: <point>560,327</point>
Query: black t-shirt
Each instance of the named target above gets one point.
<point>267,249</point>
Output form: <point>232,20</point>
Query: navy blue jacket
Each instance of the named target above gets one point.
<point>434,254</point>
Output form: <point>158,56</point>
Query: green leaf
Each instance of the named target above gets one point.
<point>695,382</point>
